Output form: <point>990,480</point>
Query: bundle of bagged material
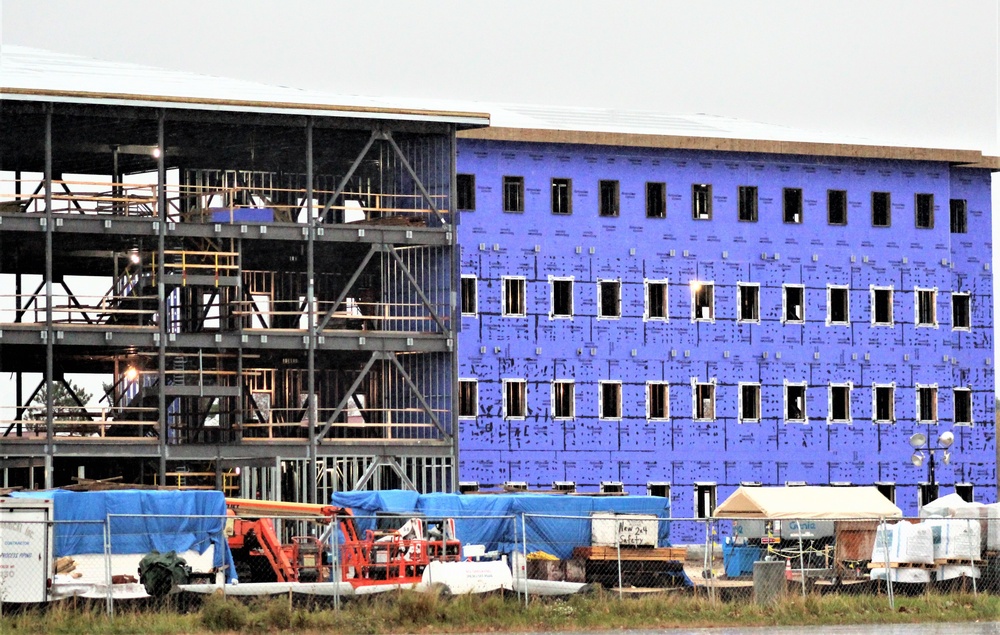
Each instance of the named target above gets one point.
<point>954,506</point>
<point>904,542</point>
<point>992,526</point>
<point>956,538</point>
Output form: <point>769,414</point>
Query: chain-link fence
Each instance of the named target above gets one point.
<point>530,555</point>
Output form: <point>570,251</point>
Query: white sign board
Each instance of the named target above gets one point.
<point>25,549</point>
<point>608,529</point>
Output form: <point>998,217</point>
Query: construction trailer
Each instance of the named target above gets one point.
<point>250,281</point>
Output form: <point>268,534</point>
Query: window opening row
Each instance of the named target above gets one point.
<point>609,199</point>
<point>839,399</point>
<point>793,302</point>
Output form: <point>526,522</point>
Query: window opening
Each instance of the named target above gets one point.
<point>656,300</point>
<point>469,299</point>
<point>513,193</point>
<point>701,201</point>
<point>888,490</point>
<point>882,306</point>
<point>963,406</point>
<point>611,400</point>
<point>609,198</point>
<point>515,398</point>
<point>792,197</point>
<point>468,398</point>
<point>704,499</point>
<point>703,301</point>
<point>838,305</point>
<point>840,403</point>
<point>925,211</point>
<point>659,489</point>
<point>656,200</point>
<point>657,400</point>
<point>926,301</point>
<point>563,399</point>
<point>609,298</point>
<point>747,203</point>
<point>794,309</point>
<point>466,195</point>
<point>514,300</point>
<point>927,492</point>
<point>959,216</point>
<point>704,401</point>
<point>881,209</point>
<point>562,196</point>
<point>836,207</point>
<point>885,404</point>
<point>562,297</point>
<point>795,403</point>
<point>749,299</point>
<point>966,492</point>
<point>749,403</point>
<point>961,311</point>
<point>927,404</point>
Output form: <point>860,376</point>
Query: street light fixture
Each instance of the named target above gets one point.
<point>922,449</point>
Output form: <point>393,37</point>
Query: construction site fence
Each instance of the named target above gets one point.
<point>747,560</point>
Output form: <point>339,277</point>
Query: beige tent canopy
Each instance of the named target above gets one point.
<point>807,502</point>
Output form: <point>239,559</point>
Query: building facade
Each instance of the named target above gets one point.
<point>655,312</point>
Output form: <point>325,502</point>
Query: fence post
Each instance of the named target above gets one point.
<point>110,602</point>
<point>888,570</point>
<point>524,556</point>
<point>336,575</point>
<point>618,548</point>
<point>802,561</point>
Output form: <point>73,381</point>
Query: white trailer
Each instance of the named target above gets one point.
<point>25,549</point>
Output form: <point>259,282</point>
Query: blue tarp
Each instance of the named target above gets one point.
<point>495,521</point>
<point>140,520</point>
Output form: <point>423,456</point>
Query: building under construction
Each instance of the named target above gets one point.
<point>248,280</point>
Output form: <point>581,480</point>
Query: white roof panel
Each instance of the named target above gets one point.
<point>30,73</point>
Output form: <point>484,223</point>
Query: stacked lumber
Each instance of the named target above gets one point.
<point>631,553</point>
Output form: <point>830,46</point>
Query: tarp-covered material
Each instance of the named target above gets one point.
<point>141,521</point>
<point>807,502</point>
<point>552,523</point>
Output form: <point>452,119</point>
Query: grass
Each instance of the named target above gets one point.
<point>409,612</point>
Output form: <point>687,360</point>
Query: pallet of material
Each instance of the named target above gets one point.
<point>631,553</point>
<point>940,561</point>
<point>901,565</point>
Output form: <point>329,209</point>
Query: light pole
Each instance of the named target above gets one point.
<point>921,445</point>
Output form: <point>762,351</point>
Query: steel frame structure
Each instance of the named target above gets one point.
<point>246,326</point>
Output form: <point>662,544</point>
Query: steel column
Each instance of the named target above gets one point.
<point>312,405</point>
<point>49,335</point>
<point>161,367</point>
<point>454,252</point>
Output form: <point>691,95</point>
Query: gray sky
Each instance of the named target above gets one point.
<point>906,72</point>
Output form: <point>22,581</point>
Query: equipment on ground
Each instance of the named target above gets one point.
<point>382,557</point>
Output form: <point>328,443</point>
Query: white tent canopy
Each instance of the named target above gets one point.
<point>807,502</point>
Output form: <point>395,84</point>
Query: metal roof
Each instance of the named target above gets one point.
<point>578,125</point>
<point>34,74</point>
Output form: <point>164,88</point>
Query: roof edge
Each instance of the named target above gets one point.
<point>467,118</point>
<point>968,158</point>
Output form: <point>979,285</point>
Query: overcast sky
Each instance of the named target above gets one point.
<point>912,72</point>
<point>906,72</point>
